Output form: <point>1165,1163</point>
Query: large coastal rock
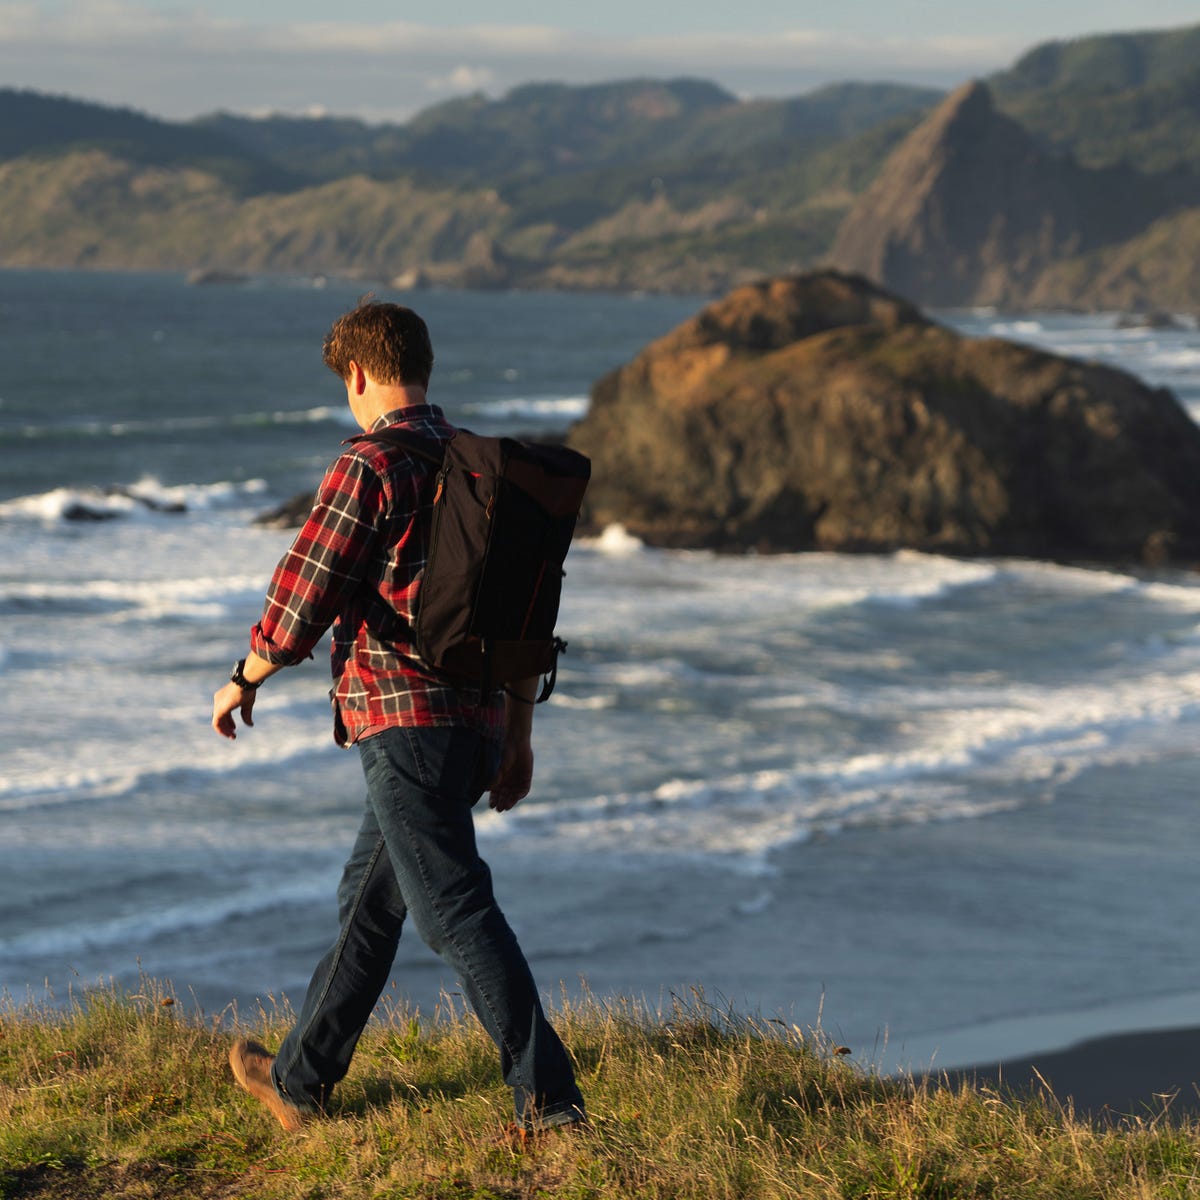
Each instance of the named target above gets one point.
<point>821,412</point>
<point>969,209</point>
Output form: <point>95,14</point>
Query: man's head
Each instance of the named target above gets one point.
<point>388,341</point>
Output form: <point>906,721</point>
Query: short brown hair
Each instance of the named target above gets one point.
<point>390,342</point>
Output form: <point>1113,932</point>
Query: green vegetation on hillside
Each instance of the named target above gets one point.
<point>548,130</point>
<point>1107,62</point>
<point>47,126</point>
<point>1121,98</point>
<point>125,1095</point>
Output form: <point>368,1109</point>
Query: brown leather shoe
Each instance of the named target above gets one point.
<point>251,1065</point>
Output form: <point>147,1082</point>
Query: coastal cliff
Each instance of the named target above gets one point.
<point>970,209</point>
<point>819,411</point>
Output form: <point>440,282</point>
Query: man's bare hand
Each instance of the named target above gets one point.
<point>226,702</point>
<point>515,777</point>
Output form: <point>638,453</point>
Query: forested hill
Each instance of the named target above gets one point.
<point>554,129</point>
<point>35,124</point>
<point>660,184</point>
<point>1126,98</point>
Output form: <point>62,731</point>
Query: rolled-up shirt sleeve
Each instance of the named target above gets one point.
<point>327,561</point>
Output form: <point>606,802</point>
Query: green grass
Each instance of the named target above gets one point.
<point>126,1095</point>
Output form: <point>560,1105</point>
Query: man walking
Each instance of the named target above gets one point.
<point>429,749</point>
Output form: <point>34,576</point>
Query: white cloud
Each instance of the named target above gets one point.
<point>463,79</point>
<point>819,47</point>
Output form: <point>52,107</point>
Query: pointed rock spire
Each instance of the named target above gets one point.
<point>969,209</point>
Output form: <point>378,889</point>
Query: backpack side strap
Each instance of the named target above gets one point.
<point>548,680</point>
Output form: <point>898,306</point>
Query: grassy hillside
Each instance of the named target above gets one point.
<point>125,1095</point>
<point>91,209</point>
<point>1156,269</point>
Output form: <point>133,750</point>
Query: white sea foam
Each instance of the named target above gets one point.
<point>567,408</point>
<point>195,599</point>
<point>127,754</point>
<point>1182,359</point>
<point>1017,328</point>
<point>137,928</point>
<point>583,703</point>
<point>160,425</point>
<point>615,586</point>
<point>738,821</point>
<point>615,541</point>
<point>146,496</point>
<point>958,753</point>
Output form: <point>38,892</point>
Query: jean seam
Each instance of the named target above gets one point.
<point>335,966</point>
<point>414,748</point>
<point>447,933</point>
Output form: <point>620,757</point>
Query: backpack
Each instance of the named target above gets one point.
<point>504,513</point>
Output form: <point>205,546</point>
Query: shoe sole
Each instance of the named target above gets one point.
<point>290,1117</point>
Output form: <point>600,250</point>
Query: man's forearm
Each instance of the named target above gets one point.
<point>515,777</point>
<point>256,668</point>
<point>518,706</point>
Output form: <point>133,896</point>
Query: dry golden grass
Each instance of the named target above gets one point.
<point>126,1095</point>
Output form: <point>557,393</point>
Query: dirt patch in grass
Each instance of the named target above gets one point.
<point>141,1181</point>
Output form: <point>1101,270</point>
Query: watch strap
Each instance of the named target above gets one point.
<point>236,676</point>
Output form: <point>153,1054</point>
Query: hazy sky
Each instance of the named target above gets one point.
<point>386,60</point>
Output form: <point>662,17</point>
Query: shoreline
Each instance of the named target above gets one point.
<point>1140,1075</point>
<point>1126,1059</point>
<point>318,279</point>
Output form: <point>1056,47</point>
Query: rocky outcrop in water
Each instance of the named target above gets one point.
<point>821,412</point>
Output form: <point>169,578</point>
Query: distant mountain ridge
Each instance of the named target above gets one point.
<point>552,128</point>
<point>672,185</point>
<point>44,125</point>
<point>647,184</point>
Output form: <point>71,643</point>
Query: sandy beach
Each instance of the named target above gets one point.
<point>1124,1075</point>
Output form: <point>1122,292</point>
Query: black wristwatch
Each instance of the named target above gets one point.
<point>237,677</point>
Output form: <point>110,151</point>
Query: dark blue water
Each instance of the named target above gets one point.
<point>107,377</point>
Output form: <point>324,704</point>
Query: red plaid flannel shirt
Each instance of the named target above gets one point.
<point>356,566</point>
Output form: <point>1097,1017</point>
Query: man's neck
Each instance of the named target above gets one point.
<point>379,400</point>
<point>392,397</point>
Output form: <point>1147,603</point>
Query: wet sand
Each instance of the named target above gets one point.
<point>1124,1075</point>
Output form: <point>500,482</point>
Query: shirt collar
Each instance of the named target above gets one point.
<point>408,416</point>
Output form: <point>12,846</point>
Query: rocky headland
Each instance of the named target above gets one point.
<point>821,412</point>
<point>971,209</point>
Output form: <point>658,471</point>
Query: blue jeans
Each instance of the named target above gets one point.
<point>416,854</point>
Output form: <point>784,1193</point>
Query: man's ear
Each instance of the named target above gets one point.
<point>356,380</point>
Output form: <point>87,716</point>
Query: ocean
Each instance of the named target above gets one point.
<point>944,809</point>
